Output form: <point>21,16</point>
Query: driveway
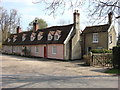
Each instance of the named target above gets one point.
<point>22,72</point>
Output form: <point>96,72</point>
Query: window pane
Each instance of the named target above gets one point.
<point>54,50</point>
<point>95,37</point>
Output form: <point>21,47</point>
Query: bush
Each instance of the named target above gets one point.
<point>101,51</point>
<point>87,59</point>
<point>116,57</point>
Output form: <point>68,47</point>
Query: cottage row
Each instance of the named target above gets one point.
<point>61,42</point>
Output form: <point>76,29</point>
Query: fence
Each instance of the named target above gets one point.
<point>104,60</point>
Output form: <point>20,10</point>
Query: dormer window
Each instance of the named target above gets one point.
<point>9,39</point>
<point>14,38</point>
<point>40,35</point>
<point>23,37</point>
<point>50,35</point>
<point>57,35</point>
<point>59,32</point>
<point>32,36</point>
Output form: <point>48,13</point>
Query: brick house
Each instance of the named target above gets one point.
<point>58,42</point>
<point>99,36</point>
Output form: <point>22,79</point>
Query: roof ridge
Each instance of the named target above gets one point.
<point>57,26</point>
<point>97,25</point>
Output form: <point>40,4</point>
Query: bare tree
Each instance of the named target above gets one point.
<point>101,8</point>
<point>8,22</point>
<point>54,6</point>
<point>96,9</point>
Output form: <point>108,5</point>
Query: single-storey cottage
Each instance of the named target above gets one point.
<point>58,42</point>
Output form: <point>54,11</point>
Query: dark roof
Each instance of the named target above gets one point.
<point>64,33</point>
<point>96,29</point>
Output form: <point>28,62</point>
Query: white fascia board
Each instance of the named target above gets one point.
<point>68,37</point>
<point>112,25</point>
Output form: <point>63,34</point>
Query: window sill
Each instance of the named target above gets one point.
<point>94,42</point>
<point>54,53</point>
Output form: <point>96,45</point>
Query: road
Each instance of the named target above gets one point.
<point>23,72</point>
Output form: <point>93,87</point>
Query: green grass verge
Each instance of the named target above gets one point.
<point>113,71</point>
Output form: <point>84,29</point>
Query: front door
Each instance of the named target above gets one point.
<point>45,52</point>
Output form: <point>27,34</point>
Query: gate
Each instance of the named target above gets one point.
<point>104,60</point>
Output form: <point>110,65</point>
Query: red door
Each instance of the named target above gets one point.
<point>45,52</point>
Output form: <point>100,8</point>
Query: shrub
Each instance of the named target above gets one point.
<point>87,59</point>
<point>101,51</point>
<point>116,57</point>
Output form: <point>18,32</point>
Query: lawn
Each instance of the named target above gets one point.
<point>113,71</point>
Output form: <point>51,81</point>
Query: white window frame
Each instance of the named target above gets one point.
<point>36,49</point>
<point>95,38</point>
<point>32,38</point>
<point>9,39</point>
<point>14,39</point>
<point>39,37</point>
<point>54,49</point>
<point>110,38</point>
<point>50,37</point>
<point>56,37</point>
<point>14,49</point>
<point>23,38</point>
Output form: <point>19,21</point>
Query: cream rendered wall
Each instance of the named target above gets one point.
<point>76,46</point>
<point>66,51</point>
<point>113,33</point>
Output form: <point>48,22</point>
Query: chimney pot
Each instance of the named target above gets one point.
<point>110,16</point>
<point>18,29</point>
<point>76,20</point>
<point>35,25</point>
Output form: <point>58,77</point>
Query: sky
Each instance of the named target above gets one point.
<point>28,11</point>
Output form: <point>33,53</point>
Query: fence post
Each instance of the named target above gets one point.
<point>91,58</point>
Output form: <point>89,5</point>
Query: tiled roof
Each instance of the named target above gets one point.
<point>96,29</point>
<point>64,33</point>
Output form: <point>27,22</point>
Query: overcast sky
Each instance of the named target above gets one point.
<point>28,11</point>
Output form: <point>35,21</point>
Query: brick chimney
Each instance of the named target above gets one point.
<point>18,30</point>
<point>35,26</point>
<point>76,17</point>
<point>110,16</point>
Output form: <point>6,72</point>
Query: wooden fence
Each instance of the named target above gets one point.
<point>104,60</point>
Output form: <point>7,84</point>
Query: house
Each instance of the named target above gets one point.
<point>99,36</point>
<point>56,42</point>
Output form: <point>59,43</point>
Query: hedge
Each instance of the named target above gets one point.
<point>101,51</point>
<point>116,57</point>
